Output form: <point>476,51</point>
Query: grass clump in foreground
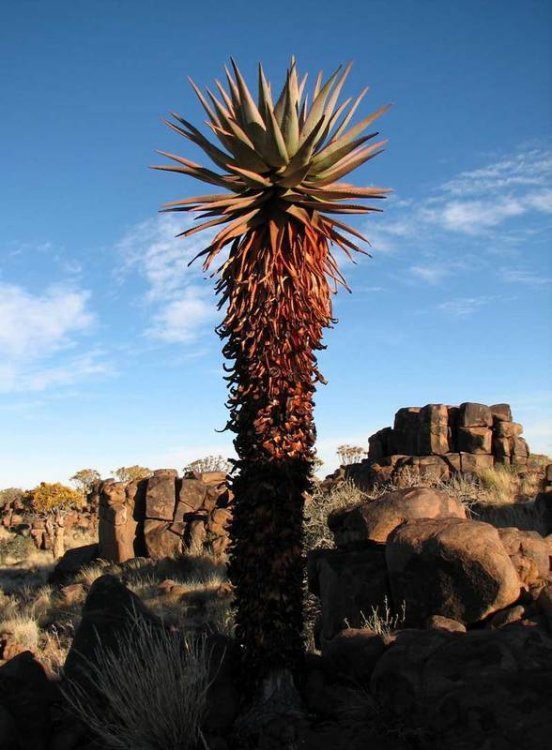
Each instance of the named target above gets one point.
<point>149,695</point>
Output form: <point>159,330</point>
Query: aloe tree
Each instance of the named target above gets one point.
<point>279,170</point>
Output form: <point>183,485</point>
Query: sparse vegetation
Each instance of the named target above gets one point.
<point>131,473</point>
<point>15,548</point>
<point>209,463</point>
<point>383,621</point>
<point>84,480</point>
<point>153,690</point>
<point>11,495</point>
<point>350,454</point>
<point>49,498</point>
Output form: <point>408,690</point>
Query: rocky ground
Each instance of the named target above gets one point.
<point>429,627</point>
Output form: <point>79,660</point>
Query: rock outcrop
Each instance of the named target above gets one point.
<point>435,441</point>
<point>415,549</point>
<point>163,515</point>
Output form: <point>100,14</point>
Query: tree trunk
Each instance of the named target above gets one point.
<point>273,327</point>
<point>58,547</point>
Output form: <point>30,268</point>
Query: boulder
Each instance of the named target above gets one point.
<point>353,654</point>
<point>508,429</point>
<point>475,415</point>
<point>487,688</point>
<point>27,696</point>
<point>544,602</point>
<point>481,689</point>
<point>434,439</point>
<point>160,540</point>
<point>72,562</point>
<point>437,622</point>
<point>475,439</point>
<point>406,431</point>
<point>425,468</point>
<point>350,585</point>
<point>161,496</point>
<point>213,477</point>
<point>520,450</point>
<point>451,567</point>
<point>502,450</point>
<point>381,444</point>
<point>529,553</point>
<point>117,534</point>
<point>474,463</point>
<point>376,519</point>
<point>190,499</point>
<point>501,412</point>
<point>110,614</point>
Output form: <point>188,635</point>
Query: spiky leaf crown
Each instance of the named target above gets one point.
<point>282,162</point>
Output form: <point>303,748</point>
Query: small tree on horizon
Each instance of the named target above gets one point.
<point>209,463</point>
<point>52,501</point>
<point>132,473</point>
<point>350,454</point>
<point>84,479</point>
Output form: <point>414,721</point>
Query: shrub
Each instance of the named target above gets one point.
<point>11,495</point>
<point>350,454</point>
<point>209,463</point>
<point>16,549</point>
<point>47,498</point>
<point>384,621</point>
<point>21,630</point>
<point>84,479</point>
<point>131,473</point>
<point>321,504</point>
<point>153,691</point>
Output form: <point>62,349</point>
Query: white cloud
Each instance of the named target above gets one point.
<point>473,217</point>
<point>181,320</point>
<point>431,274</point>
<point>475,203</point>
<point>524,276</point>
<point>463,306</point>
<point>39,337</point>
<point>526,168</point>
<point>33,324</point>
<point>182,304</point>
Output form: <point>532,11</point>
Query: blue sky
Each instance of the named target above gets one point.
<point>107,350</point>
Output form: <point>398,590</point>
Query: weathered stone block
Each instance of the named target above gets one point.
<point>501,412</point>
<point>502,450</point>
<point>433,426</point>
<point>520,450</point>
<point>475,415</point>
<point>116,542</point>
<point>381,444</point>
<point>166,473</point>
<point>508,429</point>
<point>475,439</point>
<point>406,429</point>
<point>473,463</point>
<point>161,497</point>
<point>160,541</point>
<point>191,498</point>
<point>113,493</point>
<point>454,462</point>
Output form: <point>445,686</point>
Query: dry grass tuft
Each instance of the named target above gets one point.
<point>384,621</point>
<point>21,630</point>
<point>152,694</point>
